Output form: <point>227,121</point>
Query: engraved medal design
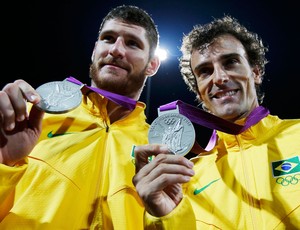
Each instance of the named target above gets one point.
<point>59,96</point>
<point>174,130</point>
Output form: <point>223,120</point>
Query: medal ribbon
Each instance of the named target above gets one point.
<point>118,99</point>
<point>211,121</point>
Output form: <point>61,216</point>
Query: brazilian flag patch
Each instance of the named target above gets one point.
<point>286,167</point>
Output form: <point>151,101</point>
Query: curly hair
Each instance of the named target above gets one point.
<point>203,35</point>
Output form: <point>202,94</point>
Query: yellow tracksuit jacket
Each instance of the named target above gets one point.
<point>79,176</point>
<point>248,181</point>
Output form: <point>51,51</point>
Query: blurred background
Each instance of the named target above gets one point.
<point>51,40</point>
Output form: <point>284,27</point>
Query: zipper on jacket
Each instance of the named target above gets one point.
<point>98,221</point>
<point>106,125</point>
<point>247,180</point>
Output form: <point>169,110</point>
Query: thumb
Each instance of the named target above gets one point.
<point>36,117</point>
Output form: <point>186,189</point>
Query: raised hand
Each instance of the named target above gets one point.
<point>19,130</point>
<point>158,182</point>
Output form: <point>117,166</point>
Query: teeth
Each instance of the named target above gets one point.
<point>228,93</point>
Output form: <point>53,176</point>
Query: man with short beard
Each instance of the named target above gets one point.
<point>74,170</point>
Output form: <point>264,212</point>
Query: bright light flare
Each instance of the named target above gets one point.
<point>161,53</point>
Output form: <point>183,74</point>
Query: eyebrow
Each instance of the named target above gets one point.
<point>125,34</point>
<point>222,57</point>
<point>230,55</point>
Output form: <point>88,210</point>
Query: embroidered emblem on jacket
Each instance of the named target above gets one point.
<point>286,167</point>
<point>197,191</point>
<point>50,134</point>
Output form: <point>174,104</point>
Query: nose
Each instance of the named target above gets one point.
<point>220,77</point>
<point>117,49</point>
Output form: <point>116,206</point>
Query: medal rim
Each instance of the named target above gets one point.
<point>155,121</point>
<point>57,111</point>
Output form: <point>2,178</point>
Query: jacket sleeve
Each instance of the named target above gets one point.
<point>10,176</point>
<point>182,217</point>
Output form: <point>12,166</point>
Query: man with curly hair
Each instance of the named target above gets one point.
<point>250,179</point>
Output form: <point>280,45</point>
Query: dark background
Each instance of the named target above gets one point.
<point>51,40</point>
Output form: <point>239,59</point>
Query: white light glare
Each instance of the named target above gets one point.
<point>161,53</point>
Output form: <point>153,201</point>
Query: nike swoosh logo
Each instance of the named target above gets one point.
<point>197,191</point>
<point>51,135</point>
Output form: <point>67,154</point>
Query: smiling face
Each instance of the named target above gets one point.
<point>226,81</point>
<point>121,59</point>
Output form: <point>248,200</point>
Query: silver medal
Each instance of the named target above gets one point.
<point>174,130</point>
<point>59,96</point>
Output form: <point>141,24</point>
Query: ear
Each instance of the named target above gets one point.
<point>257,75</point>
<point>153,66</point>
<point>93,54</point>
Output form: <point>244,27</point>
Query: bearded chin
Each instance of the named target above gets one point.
<point>136,83</point>
<point>93,75</point>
